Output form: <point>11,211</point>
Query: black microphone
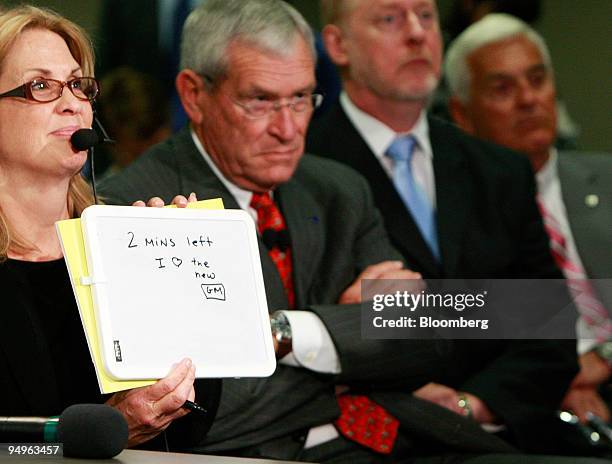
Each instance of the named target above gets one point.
<point>94,431</point>
<point>83,139</point>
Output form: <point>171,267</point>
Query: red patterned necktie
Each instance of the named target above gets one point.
<point>361,420</point>
<point>365,422</point>
<point>590,308</point>
<point>269,218</point>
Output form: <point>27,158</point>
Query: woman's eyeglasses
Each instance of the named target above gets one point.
<point>48,90</point>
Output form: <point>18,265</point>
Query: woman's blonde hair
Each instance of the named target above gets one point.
<point>12,23</point>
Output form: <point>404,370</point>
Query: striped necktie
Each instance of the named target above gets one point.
<point>590,308</point>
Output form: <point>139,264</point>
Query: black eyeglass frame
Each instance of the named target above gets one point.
<point>25,90</point>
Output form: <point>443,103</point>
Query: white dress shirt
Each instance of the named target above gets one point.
<point>550,193</point>
<point>379,137</point>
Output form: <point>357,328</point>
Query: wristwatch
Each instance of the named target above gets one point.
<point>281,331</point>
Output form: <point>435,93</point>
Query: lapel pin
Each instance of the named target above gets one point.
<point>591,200</point>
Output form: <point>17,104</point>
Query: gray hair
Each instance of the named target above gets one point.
<point>492,28</point>
<point>269,25</point>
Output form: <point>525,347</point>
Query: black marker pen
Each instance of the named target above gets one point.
<point>195,407</point>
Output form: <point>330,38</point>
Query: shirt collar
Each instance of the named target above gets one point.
<point>548,172</point>
<point>378,135</point>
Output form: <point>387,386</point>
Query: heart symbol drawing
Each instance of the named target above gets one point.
<point>177,261</point>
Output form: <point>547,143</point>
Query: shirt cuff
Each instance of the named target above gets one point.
<point>587,340</point>
<point>312,345</point>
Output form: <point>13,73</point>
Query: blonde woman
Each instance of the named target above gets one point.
<point>46,94</point>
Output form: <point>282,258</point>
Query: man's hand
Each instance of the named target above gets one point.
<point>581,400</point>
<point>179,201</point>
<point>389,270</point>
<point>150,410</point>
<point>480,411</point>
<point>448,398</point>
<point>441,395</point>
<point>582,396</point>
<point>593,371</point>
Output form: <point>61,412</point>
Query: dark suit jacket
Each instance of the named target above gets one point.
<point>335,233</point>
<point>488,227</point>
<point>583,175</point>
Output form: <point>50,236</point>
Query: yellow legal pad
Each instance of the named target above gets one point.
<point>71,238</point>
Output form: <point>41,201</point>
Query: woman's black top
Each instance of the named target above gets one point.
<point>42,342</point>
<point>45,364</point>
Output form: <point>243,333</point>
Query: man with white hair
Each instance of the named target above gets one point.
<point>502,87</point>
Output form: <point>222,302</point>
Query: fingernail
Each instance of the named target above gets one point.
<point>192,196</point>
<point>188,362</point>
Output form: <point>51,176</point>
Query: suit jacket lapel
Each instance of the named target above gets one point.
<point>402,229</point>
<point>195,175</point>
<point>453,196</point>
<point>590,225</point>
<point>304,222</point>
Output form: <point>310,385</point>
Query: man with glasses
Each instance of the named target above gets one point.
<point>246,83</point>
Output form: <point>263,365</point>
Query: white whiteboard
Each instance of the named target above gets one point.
<point>174,283</point>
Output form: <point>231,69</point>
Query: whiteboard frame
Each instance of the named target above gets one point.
<point>248,367</point>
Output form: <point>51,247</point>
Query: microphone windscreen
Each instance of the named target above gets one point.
<point>92,431</point>
<point>84,139</point>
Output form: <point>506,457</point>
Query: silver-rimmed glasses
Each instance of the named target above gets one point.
<point>257,108</point>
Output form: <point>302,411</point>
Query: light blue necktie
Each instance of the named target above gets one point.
<point>401,151</point>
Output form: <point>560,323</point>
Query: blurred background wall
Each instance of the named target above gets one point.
<point>578,34</point>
